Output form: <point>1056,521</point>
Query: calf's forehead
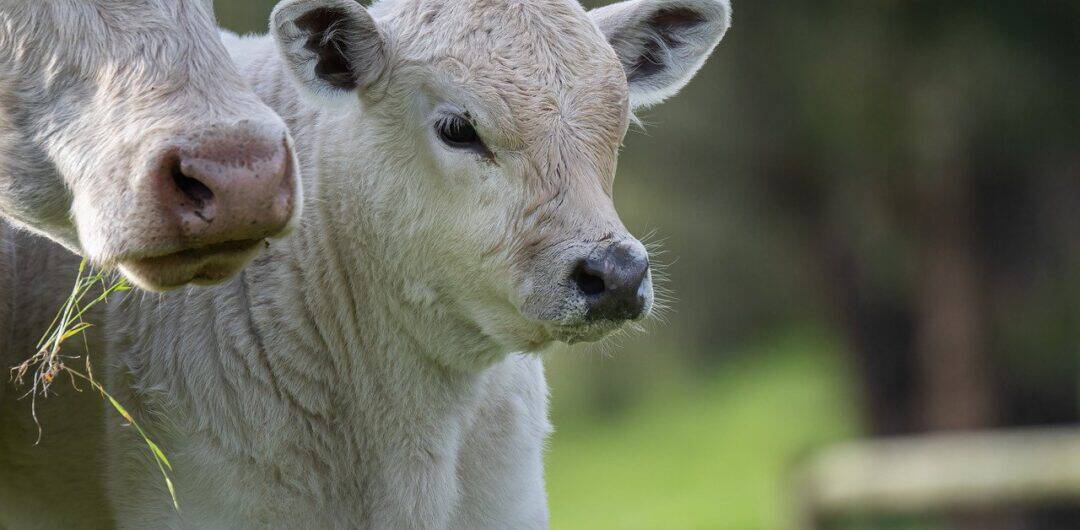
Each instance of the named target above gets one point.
<point>542,66</point>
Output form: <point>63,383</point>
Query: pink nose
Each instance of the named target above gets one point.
<point>228,184</point>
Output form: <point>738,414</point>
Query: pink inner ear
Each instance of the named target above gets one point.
<point>330,42</point>
<point>662,34</point>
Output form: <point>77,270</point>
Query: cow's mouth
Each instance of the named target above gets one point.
<point>204,265</point>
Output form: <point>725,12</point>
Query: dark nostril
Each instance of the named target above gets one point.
<point>588,283</point>
<point>611,281</point>
<point>193,189</point>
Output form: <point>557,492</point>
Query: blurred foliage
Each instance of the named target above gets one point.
<point>690,452</point>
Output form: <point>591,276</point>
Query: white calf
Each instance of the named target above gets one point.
<point>365,371</point>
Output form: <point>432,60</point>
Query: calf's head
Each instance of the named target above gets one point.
<point>488,133</point>
<point>127,134</point>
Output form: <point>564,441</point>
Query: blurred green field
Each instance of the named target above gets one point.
<point>691,450</point>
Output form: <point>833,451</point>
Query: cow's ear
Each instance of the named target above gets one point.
<point>332,47</point>
<point>662,43</point>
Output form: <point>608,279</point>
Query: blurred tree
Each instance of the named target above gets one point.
<point>932,163</point>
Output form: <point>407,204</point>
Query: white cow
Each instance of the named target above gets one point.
<point>127,135</point>
<point>366,371</point>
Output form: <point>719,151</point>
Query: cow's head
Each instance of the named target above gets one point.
<point>127,134</point>
<point>488,133</point>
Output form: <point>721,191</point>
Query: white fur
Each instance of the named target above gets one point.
<point>625,25</point>
<point>364,371</point>
<point>91,94</point>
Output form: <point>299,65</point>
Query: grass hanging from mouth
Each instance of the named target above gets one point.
<point>47,363</point>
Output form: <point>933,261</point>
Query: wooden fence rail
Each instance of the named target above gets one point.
<point>939,473</point>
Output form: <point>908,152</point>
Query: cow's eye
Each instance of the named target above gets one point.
<point>456,131</point>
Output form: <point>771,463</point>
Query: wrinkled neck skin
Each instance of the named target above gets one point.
<point>362,375</point>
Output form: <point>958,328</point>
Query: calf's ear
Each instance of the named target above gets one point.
<point>332,47</point>
<point>662,43</point>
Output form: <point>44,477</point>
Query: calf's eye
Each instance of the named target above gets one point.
<point>458,133</point>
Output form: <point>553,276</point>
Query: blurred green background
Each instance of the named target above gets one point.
<point>869,217</point>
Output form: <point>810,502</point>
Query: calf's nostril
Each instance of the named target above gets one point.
<point>612,281</point>
<point>587,282</point>
<point>191,188</point>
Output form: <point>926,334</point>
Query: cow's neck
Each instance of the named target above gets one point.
<point>325,295</point>
<point>340,336</point>
<point>349,375</point>
<point>298,346</point>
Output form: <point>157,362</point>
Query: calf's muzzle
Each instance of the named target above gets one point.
<point>612,280</point>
